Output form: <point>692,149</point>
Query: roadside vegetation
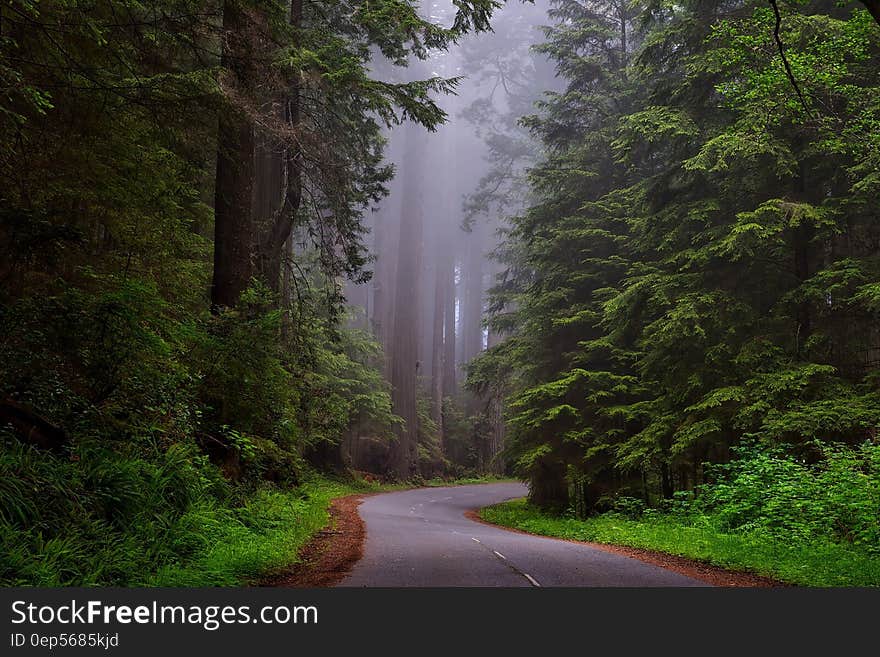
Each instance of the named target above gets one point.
<point>168,518</point>
<point>766,513</point>
<point>172,521</point>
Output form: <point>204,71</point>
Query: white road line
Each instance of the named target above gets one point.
<point>531,579</point>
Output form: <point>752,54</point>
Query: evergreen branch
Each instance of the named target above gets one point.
<point>789,73</point>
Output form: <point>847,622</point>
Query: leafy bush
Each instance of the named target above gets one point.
<point>629,507</point>
<point>768,491</point>
<point>99,516</point>
<point>178,426</point>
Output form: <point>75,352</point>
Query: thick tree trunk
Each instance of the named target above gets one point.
<point>549,487</point>
<point>802,254</point>
<point>269,183</point>
<point>472,315</point>
<point>666,486</point>
<point>270,247</point>
<point>802,246</point>
<point>385,280</point>
<point>437,343</point>
<point>403,460</point>
<point>380,283</point>
<point>233,226</point>
<point>449,337</point>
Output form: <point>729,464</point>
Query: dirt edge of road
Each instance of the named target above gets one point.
<point>331,553</point>
<point>714,575</point>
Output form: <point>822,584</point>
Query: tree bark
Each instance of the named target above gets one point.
<point>233,225</point>
<point>403,460</point>
<point>270,248</point>
<point>449,336</point>
<point>549,487</point>
<point>472,312</point>
<point>666,485</point>
<point>437,343</point>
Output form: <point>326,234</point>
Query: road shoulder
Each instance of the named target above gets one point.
<point>332,552</point>
<point>710,574</point>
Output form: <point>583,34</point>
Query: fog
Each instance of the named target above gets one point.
<point>434,236</point>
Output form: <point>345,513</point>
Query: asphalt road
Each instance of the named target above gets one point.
<point>422,538</point>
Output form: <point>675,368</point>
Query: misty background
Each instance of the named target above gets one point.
<point>435,237</point>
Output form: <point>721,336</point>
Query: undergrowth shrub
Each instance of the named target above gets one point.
<point>768,491</point>
<point>178,430</point>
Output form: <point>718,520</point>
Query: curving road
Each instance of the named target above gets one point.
<point>422,538</point>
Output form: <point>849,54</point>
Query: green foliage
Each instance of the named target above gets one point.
<point>185,430</point>
<point>260,537</point>
<point>467,442</point>
<point>813,563</point>
<point>431,459</point>
<point>144,398</point>
<point>766,492</point>
<point>699,261</point>
<point>144,518</point>
<point>100,516</point>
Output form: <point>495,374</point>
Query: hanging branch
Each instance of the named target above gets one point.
<point>777,37</point>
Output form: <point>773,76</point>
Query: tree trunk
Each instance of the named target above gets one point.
<point>437,342</point>
<point>472,313</point>
<point>666,488</point>
<point>233,227</point>
<point>548,488</point>
<point>802,247</point>
<point>403,461</point>
<point>270,248</point>
<point>449,337</point>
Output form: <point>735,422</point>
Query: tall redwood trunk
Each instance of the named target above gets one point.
<point>387,222</point>
<point>270,246</point>
<point>403,457</point>
<point>472,313</point>
<point>233,225</point>
<point>437,343</point>
<point>449,336</point>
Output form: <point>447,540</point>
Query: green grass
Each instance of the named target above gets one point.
<point>262,537</point>
<point>806,564</point>
<point>113,518</point>
<point>168,518</point>
<point>266,534</point>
